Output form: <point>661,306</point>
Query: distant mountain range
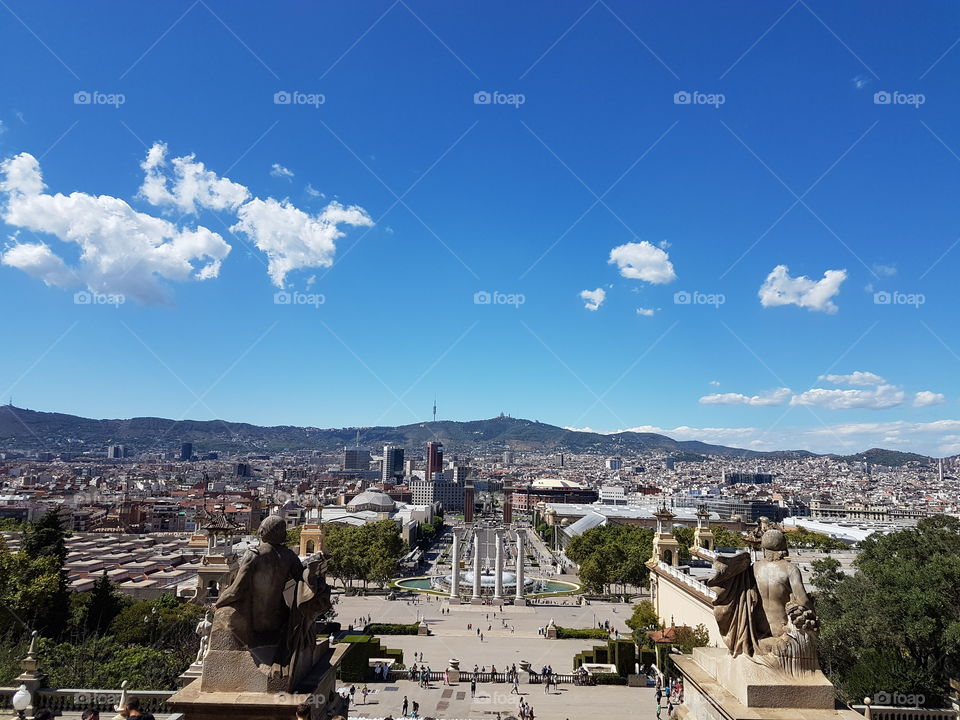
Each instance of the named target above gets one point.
<point>22,429</point>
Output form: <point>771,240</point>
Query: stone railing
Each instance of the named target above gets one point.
<point>77,700</point>
<point>687,579</point>
<point>891,712</point>
<point>702,552</point>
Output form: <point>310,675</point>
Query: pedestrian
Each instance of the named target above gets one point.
<point>303,711</point>
<point>446,678</point>
<point>473,686</point>
<point>481,637</point>
<point>406,705</point>
<point>416,709</point>
<point>90,714</point>
<point>365,691</point>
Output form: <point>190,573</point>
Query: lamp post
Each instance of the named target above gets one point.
<point>21,701</point>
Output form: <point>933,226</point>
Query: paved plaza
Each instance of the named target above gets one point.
<point>501,646</point>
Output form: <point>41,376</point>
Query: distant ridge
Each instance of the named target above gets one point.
<point>23,429</point>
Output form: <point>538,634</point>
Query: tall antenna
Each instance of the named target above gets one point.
<point>358,437</point>
<point>434,408</point>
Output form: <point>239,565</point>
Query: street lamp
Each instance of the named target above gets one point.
<point>21,701</point>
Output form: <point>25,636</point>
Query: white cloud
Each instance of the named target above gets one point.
<point>937,438</point>
<point>926,398</point>
<point>781,289</point>
<point>884,270</point>
<point>593,299</point>
<point>857,377</point>
<point>715,383</point>
<point>187,185</point>
<point>646,312</point>
<point>291,238</point>
<point>771,398</point>
<point>121,251</point>
<point>313,192</point>
<point>643,261</point>
<point>876,398</point>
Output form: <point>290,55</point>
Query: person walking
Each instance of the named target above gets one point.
<point>365,691</point>
<point>473,686</point>
<point>406,706</point>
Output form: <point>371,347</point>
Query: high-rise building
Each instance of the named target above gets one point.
<point>392,466</point>
<point>115,452</point>
<point>434,459</point>
<point>356,458</point>
<point>507,458</point>
<point>614,463</point>
<point>186,451</point>
<point>408,467</point>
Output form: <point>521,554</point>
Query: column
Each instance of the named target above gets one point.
<point>521,556</point>
<point>455,568</point>
<point>476,566</point>
<point>498,567</point>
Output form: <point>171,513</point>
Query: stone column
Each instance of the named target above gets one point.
<point>455,569</point>
<point>521,556</point>
<point>476,568</point>
<point>498,567</point>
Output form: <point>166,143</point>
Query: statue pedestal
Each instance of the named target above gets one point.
<point>717,686</point>
<point>190,674</point>
<point>551,632</point>
<point>233,685</point>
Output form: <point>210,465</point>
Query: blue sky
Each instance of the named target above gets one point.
<point>764,193</point>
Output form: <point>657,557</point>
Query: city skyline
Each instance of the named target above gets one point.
<point>613,217</point>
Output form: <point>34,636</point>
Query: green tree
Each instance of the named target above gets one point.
<point>687,638</point>
<point>293,537</point>
<point>684,536</point>
<point>895,624</point>
<point>724,538</point>
<point>644,618</point>
<point>93,612</point>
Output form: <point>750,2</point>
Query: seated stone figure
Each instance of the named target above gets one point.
<point>270,608</point>
<point>763,610</point>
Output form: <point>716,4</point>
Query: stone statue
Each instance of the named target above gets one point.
<point>203,630</point>
<point>763,610</point>
<point>270,608</point>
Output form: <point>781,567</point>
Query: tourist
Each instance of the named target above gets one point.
<point>133,710</point>
<point>416,709</point>
<point>481,637</point>
<point>516,685</point>
<point>446,677</point>
<point>365,691</point>
<point>473,686</point>
<point>90,714</point>
<point>303,711</point>
<point>406,706</point>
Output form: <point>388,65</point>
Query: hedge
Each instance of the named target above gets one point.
<point>581,633</point>
<point>393,629</point>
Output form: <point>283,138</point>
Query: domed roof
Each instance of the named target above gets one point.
<point>372,500</point>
